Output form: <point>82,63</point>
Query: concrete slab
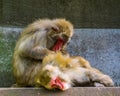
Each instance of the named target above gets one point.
<point>76,91</point>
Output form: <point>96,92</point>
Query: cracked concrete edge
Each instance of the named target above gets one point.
<point>75,91</point>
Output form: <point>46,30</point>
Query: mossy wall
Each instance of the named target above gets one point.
<point>8,37</point>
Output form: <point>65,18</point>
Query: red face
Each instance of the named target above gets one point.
<point>57,83</point>
<point>51,77</point>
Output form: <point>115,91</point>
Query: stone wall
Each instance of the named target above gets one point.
<point>101,47</point>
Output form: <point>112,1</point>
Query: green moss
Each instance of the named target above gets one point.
<point>7,44</point>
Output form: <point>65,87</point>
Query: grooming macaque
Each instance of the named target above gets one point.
<point>40,38</point>
<point>62,72</point>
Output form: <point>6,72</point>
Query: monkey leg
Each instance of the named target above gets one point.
<point>99,78</point>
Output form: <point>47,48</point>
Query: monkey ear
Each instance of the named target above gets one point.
<point>55,28</point>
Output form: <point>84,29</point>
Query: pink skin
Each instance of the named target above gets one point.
<point>57,83</point>
<point>58,45</point>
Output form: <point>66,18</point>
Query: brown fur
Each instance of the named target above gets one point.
<point>73,71</point>
<point>34,44</point>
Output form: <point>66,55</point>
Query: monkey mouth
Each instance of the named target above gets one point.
<point>58,45</point>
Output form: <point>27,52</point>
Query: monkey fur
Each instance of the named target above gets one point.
<point>40,38</point>
<point>62,72</point>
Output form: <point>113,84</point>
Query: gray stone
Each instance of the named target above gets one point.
<point>78,91</point>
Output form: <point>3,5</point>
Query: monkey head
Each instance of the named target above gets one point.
<point>52,74</point>
<point>51,77</point>
<point>60,34</point>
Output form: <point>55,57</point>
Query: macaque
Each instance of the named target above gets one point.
<point>62,72</point>
<point>40,38</point>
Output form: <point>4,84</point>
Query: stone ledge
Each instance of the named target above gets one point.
<point>75,91</point>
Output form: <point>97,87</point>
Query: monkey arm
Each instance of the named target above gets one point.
<point>39,52</point>
<point>35,53</point>
<point>97,76</point>
<point>90,76</point>
<point>64,52</point>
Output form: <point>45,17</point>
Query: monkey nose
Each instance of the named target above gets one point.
<point>57,83</point>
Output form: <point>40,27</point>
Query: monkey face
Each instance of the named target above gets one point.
<point>51,77</point>
<point>60,35</point>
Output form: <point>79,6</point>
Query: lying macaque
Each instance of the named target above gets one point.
<point>40,38</point>
<point>62,72</point>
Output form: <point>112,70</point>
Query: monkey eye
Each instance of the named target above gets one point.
<point>62,79</point>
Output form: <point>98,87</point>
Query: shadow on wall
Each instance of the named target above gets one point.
<point>99,46</point>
